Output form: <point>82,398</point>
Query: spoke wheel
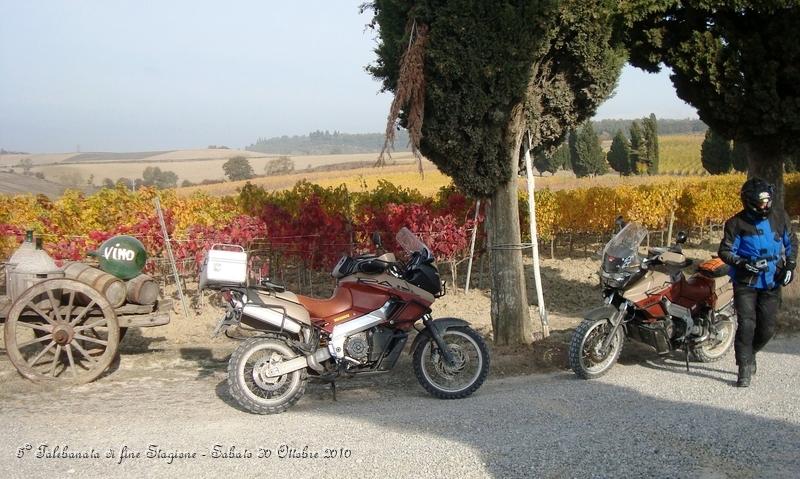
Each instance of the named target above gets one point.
<point>460,379</point>
<point>251,385</point>
<point>587,358</point>
<point>61,330</point>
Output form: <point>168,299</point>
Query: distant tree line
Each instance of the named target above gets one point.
<point>608,128</point>
<point>327,143</point>
<point>151,176</point>
<point>236,168</point>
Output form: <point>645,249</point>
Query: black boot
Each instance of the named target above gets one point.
<point>755,367</point>
<point>745,373</point>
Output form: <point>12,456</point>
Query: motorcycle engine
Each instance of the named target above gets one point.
<point>357,346</point>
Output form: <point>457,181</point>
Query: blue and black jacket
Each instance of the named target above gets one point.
<point>754,239</point>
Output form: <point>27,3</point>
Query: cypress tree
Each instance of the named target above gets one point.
<point>472,79</point>
<point>561,157</point>
<point>586,152</point>
<point>739,156</point>
<point>551,162</point>
<point>736,62</point>
<point>637,148</point>
<point>715,153</point>
<point>651,143</point>
<point>619,154</point>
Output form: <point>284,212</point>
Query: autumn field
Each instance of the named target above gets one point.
<point>680,155</point>
<point>192,165</point>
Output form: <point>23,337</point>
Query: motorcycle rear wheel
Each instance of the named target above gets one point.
<point>713,349</point>
<point>585,357</point>
<point>252,389</point>
<point>453,381</point>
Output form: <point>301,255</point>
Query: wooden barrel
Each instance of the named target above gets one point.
<point>142,290</point>
<point>109,286</point>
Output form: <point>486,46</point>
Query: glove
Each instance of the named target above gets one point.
<point>786,274</point>
<point>750,266</point>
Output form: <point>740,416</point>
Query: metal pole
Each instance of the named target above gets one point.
<point>472,244</point>
<point>535,244</point>
<point>669,231</point>
<point>171,257</point>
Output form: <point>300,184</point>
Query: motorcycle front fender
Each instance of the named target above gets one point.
<point>441,324</point>
<point>606,311</point>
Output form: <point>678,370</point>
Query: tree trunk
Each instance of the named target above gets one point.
<point>765,161</point>
<point>511,320</point>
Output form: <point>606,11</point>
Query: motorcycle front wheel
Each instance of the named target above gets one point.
<point>458,380</point>
<point>252,388</point>
<point>586,356</point>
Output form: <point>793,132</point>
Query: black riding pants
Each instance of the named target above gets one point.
<point>757,310</point>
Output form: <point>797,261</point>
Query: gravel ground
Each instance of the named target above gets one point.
<point>646,418</point>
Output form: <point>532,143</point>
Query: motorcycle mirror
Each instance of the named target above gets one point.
<point>620,222</point>
<point>681,238</point>
<point>376,239</point>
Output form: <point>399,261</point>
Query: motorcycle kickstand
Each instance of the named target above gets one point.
<point>686,355</point>
<point>333,390</point>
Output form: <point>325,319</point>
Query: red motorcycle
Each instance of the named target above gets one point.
<point>362,328</point>
<point>648,299</point>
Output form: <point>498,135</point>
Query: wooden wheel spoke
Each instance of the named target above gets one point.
<point>36,326</point>
<point>38,311</point>
<point>36,340</point>
<point>80,317</point>
<point>72,366</point>
<point>91,340</point>
<point>55,304</point>
<point>84,353</point>
<point>55,361</point>
<point>70,305</point>
<point>41,353</point>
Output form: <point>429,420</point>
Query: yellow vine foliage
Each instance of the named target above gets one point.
<point>694,202</point>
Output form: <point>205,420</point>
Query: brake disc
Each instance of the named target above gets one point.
<point>264,381</point>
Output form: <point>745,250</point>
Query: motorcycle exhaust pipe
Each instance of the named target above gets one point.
<point>312,360</point>
<point>274,316</point>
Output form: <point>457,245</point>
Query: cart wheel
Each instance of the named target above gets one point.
<point>61,330</point>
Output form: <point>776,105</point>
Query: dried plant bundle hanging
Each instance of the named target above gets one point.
<point>409,95</point>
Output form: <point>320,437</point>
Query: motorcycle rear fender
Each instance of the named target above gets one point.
<point>442,324</point>
<point>606,311</point>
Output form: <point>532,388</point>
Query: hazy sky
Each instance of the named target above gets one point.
<point>117,75</point>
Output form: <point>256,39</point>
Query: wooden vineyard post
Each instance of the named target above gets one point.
<point>171,257</point>
<point>669,229</point>
<point>472,245</point>
<point>535,243</point>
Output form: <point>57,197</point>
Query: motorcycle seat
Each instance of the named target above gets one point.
<point>340,302</point>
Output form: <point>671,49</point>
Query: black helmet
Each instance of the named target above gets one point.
<point>757,197</point>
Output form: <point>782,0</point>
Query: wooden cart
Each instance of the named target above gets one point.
<point>65,331</point>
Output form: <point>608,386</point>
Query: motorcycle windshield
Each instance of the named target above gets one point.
<point>411,242</point>
<point>623,249</point>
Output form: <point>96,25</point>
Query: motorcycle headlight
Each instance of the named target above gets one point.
<point>615,280</point>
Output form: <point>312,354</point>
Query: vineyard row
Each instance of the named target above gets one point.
<point>316,225</point>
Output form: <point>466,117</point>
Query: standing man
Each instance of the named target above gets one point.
<point>761,247</point>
